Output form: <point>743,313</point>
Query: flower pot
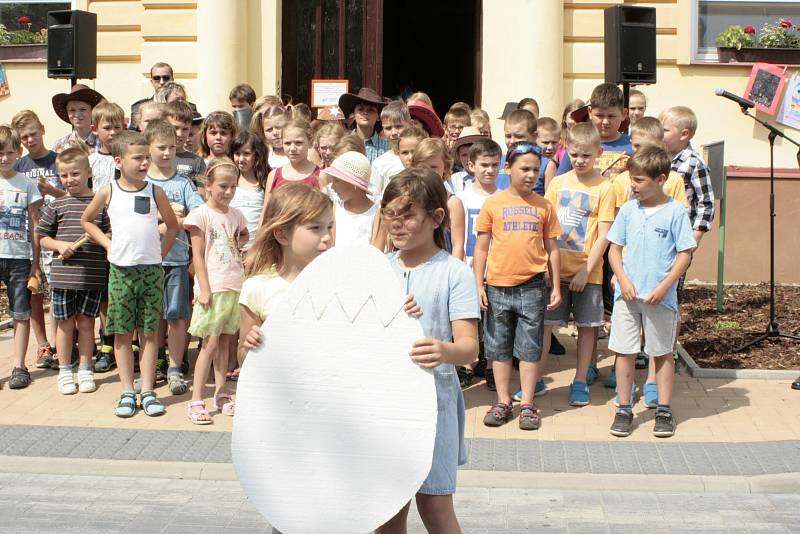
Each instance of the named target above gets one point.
<point>778,56</point>
<point>23,52</point>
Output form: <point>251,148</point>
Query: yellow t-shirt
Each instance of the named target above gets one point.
<point>580,207</point>
<point>518,227</point>
<point>673,187</point>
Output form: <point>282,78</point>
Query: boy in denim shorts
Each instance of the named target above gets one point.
<point>521,228</point>
<point>78,275</point>
<point>19,205</point>
<point>183,197</point>
<point>584,200</point>
<point>657,236</point>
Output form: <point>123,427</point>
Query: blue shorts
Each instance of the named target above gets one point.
<point>177,293</point>
<point>586,307</point>
<point>14,275</point>
<point>515,321</point>
<point>67,303</point>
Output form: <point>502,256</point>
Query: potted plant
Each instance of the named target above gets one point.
<point>23,43</point>
<point>776,43</point>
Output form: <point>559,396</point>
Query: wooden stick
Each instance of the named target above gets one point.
<point>77,244</point>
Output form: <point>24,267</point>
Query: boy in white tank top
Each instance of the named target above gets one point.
<point>136,279</point>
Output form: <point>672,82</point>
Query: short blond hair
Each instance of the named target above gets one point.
<point>651,161</point>
<point>650,127</point>
<point>682,117</point>
<point>547,124</point>
<point>71,155</point>
<point>9,136</point>
<point>432,147</point>
<point>107,111</point>
<point>584,134</point>
<point>24,118</point>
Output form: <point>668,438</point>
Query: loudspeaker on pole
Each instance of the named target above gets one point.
<point>71,44</point>
<point>630,44</point>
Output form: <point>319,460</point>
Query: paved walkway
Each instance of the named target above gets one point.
<point>61,504</point>
<point>711,411</point>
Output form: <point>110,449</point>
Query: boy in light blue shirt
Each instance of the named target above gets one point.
<point>657,236</point>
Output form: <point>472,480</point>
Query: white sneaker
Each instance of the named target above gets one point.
<point>86,382</point>
<point>65,384</point>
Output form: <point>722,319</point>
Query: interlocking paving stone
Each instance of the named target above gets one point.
<point>484,454</point>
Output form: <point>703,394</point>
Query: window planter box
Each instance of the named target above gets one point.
<point>23,52</point>
<point>777,56</point>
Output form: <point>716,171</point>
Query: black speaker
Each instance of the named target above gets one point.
<point>71,44</point>
<point>630,44</point>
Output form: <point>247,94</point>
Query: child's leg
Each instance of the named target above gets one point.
<point>37,319</point>
<point>65,332</point>
<point>626,364</point>
<point>651,371</point>
<point>665,377</point>
<point>22,334</point>
<point>397,524</point>
<point>202,366</point>
<point>437,513</point>
<point>86,347</point>
<point>586,345</point>
<point>539,369</point>
<point>147,358</point>
<point>124,357</point>
<point>502,377</point>
<point>221,362</point>
<point>177,341</point>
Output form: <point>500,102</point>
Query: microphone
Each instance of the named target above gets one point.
<point>736,98</point>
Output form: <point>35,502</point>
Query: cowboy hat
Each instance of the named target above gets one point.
<point>469,135</point>
<point>80,93</point>
<point>425,114</point>
<point>365,95</point>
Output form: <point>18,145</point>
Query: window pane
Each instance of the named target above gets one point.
<point>36,12</point>
<point>714,17</point>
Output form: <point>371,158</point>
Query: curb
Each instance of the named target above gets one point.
<point>777,483</point>
<point>748,374</point>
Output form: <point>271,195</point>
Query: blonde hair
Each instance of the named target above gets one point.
<point>651,161</point>
<point>414,131</point>
<point>329,129</point>
<point>650,127</point>
<point>547,124</point>
<point>299,124</point>
<point>682,117</point>
<point>288,206</point>
<point>150,104</point>
<point>396,111</point>
<point>71,155</point>
<point>432,147</point>
<point>9,136</point>
<point>24,118</point>
<point>419,95</point>
<point>159,129</point>
<point>457,113</point>
<point>479,118</point>
<point>461,105</point>
<point>349,143</point>
<point>301,111</point>
<point>108,111</point>
<point>266,101</point>
<point>271,107</point>
<point>220,166</point>
<point>584,134</point>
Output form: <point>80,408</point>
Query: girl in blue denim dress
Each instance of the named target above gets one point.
<point>414,211</point>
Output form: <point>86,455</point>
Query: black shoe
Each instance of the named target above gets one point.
<point>185,363</point>
<point>465,376</point>
<point>641,361</point>
<point>104,360</point>
<point>665,425</point>
<point>489,376</point>
<point>623,424</point>
<point>20,378</point>
<point>796,384</point>
<point>480,368</point>
<point>556,348</point>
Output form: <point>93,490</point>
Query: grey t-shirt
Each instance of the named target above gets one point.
<point>191,165</point>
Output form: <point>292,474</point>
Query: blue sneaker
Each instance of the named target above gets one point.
<point>578,394</point>
<point>611,381</point>
<point>592,374</point>
<point>633,396</point>
<point>650,394</point>
<point>541,389</point>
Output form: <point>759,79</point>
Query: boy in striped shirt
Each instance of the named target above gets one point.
<point>79,273</point>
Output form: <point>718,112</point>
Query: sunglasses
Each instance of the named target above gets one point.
<point>164,78</point>
<point>519,149</point>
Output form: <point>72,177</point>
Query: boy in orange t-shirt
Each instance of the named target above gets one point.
<point>517,231</point>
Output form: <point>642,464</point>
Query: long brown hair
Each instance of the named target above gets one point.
<point>287,207</point>
<point>421,187</point>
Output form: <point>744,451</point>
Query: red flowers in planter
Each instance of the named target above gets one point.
<point>749,29</point>
<point>24,19</point>
<point>784,23</point>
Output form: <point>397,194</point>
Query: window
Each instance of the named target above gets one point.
<point>23,22</point>
<point>713,16</point>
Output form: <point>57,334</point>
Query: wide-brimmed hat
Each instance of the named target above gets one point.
<point>424,113</point>
<point>352,167</point>
<point>365,95</point>
<point>79,92</point>
<point>468,135</point>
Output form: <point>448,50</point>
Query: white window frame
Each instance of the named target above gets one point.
<point>709,55</point>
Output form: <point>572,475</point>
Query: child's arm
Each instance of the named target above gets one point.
<point>429,353</point>
<point>704,201</point>
<point>199,264</point>
<point>97,204</point>
<point>46,188</point>
<point>549,173</point>
<point>33,222</point>
<point>625,285</point>
<point>578,282</point>
<point>479,255</point>
<point>456,209</point>
<point>554,264</point>
<point>682,262</point>
<point>168,216</point>
<point>248,322</point>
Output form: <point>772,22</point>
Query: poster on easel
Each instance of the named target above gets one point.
<point>789,113</point>
<point>4,88</point>
<point>764,87</point>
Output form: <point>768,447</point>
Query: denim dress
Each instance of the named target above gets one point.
<point>445,290</point>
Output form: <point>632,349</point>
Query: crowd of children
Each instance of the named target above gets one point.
<point>180,225</point>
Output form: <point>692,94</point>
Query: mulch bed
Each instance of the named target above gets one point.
<point>711,337</point>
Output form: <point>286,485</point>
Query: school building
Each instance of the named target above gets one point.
<point>486,52</point>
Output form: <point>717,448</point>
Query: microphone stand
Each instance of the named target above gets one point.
<point>772,328</point>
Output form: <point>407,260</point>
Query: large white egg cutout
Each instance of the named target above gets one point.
<point>335,425</point>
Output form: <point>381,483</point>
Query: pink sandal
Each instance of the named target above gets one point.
<point>226,408</point>
<point>201,417</point>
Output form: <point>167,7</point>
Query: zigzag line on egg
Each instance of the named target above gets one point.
<point>320,311</point>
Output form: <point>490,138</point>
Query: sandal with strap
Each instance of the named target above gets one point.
<point>150,404</point>
<point>226,408</point>
<point>126,406</point>
<point>177,384</point>
<point>200,417</point>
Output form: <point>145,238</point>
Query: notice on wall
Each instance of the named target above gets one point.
<point>764,87</point>
<point>789,113</point>
<point>4,88</point>
<point>326,93</point>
